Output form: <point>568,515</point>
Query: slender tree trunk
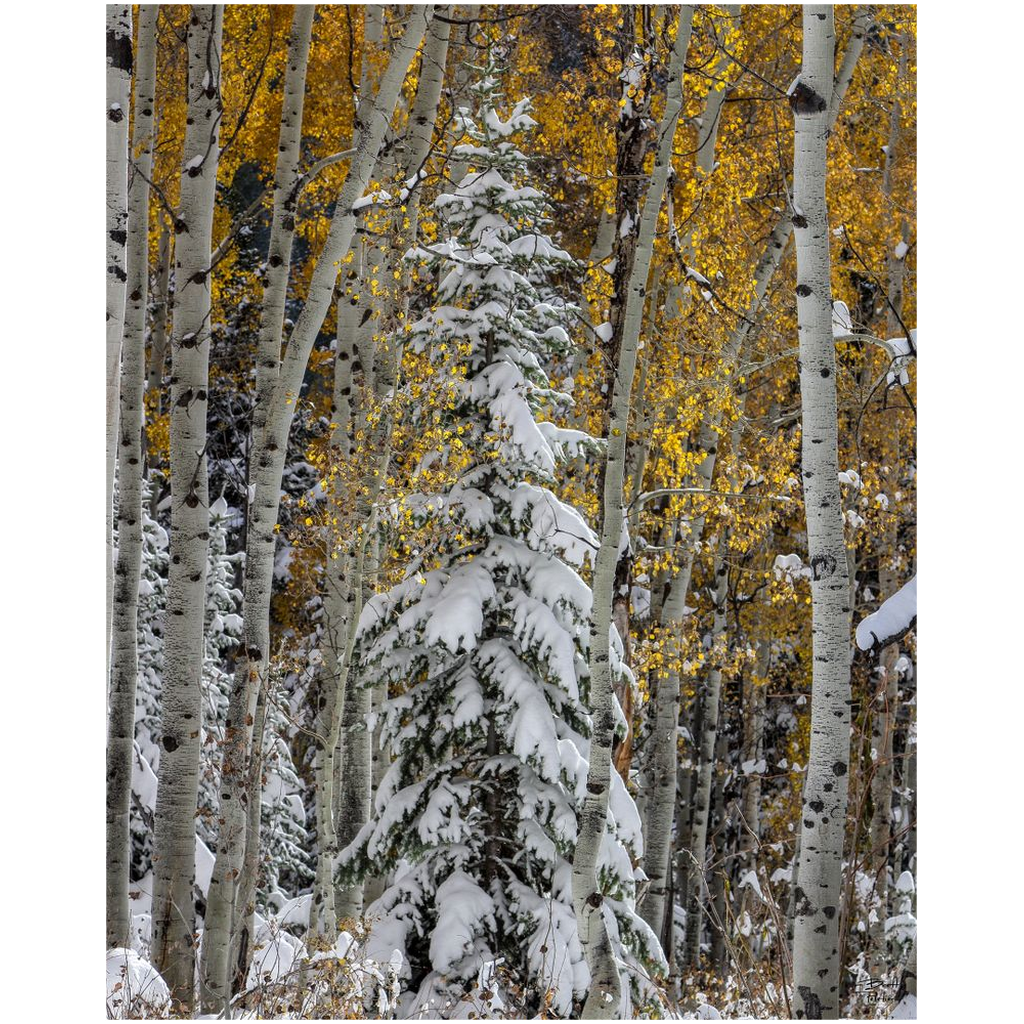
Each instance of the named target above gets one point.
<point>270,449</point>
<point>794,883</point>
<point>697,890</point>
<point>605,996</point>
<point>121,732</point>
<point>344,784</point>
<point>883,723</point>
<point>718,876</point>
<point>119,75</point>
<point>343,589</point>
<point>755,691</point>
<point>243,932</point>
<point>353,370</point>
<point>884,711</point>
<point>816,965</point>
<point>161,307</point>
<point>223,910</point>
<point>174,842</point>
<point>352,800</point>
<point>158,353</point>
<point>764,272</point>
<point>686,785</point>
<point>662,797</point>
<point>373,887</point>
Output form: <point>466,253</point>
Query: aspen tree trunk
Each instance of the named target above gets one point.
<point>267,466</point>
<point>816,965</point>
<point>794,882</point>
<point>604,997</point>
<point>662,805</point>
<point>124,666</point>
<point>174,842</point>
<point>373,887</point>
<point>345,781</point>
<point>344,794</point>
<point>754,693</point>
<point>661,800</point>
<point>697,888</point>
<point>754,700</point>
<point>686,785</point>
<point>352,800</point>
<point>244,928</point>
<point>883,718</point>
<point>224,911</point>
<point>119,90</point>
<point>718,820</point>
<point>764,272</point>
<point>883,723</point>
<point>352,368</point>
<point>161,305</point>
<point>158,350</point>
<point>341,590</point>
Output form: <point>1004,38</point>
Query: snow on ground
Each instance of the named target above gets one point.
<point>134,988</point>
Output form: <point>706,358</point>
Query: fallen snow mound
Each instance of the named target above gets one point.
<point>134,986</point>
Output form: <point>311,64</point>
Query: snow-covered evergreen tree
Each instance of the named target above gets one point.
<point>284,831</point>
<point>485,638</point>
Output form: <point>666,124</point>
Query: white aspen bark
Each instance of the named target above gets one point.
<point>883,719</point>
<point>341,588</point>
<point>661,798</point>
<point>174,842</point>
<point>794,882</point>
<point>883,726</point>
<point>697,887</point>
<point>718,824</point>
<point>225,912</point>
<point>380,761</point>
<point>658,822</point>
<point>686,784</point>
<point>344,761</point>
<point>124,655</point>
<point>119,74</point>
<point>754,701</point>
<point>816,956</point>
<point>352,800</point>
<point>764,272</point>
<point>351,368</point>
<point>354,788</point>
<point>268,468</point>
<point>243,930</point>
<point>282,227</point>
<point>350,776</point>
<point>161,305</point>
<point>605,996</point>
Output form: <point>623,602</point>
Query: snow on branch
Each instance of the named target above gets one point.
<point>896,617</point>
<point>899,350</point>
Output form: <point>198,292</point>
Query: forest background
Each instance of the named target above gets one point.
<point>967,513</point>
